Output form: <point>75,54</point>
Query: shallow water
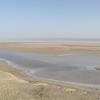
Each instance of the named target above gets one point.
<point>77,68</point>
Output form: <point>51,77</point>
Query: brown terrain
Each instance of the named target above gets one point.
<point>16,85</point>
<point>53,47</point>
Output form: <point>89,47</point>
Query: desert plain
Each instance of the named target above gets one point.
<point>15,85</point>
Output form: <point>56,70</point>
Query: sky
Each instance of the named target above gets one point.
<point>27,19</point>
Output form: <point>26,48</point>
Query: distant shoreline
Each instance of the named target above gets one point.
<point>53,47</point>
<point>53,40</point>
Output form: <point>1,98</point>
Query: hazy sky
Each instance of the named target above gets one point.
<point>49,18</point>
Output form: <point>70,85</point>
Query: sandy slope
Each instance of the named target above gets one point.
<point>16,88</point>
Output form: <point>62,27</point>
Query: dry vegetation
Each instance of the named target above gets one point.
<point>15,88</point>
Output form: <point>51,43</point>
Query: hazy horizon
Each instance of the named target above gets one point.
<point>51,39</point>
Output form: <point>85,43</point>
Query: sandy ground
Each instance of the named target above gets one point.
<point>14,87</point>
<point>53,47</point>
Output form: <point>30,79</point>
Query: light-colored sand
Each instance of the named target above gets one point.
<point>15,85</point>
<point>53,47</point>
<point>16,88</point>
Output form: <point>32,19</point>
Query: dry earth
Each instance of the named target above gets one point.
<point>14,87</point>
<point>52,47</point>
